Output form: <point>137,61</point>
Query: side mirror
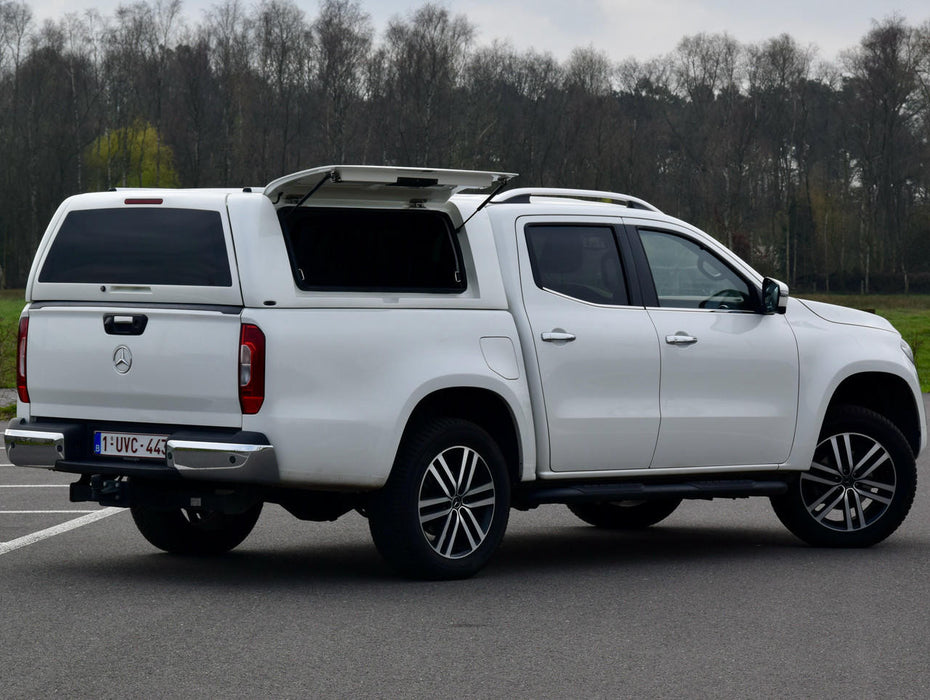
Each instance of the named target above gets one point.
<point>774,296</point>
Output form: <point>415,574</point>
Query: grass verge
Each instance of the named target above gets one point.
<point>11,304</point>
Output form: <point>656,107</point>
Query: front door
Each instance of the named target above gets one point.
<point>729,373</point>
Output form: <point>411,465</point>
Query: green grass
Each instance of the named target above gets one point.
<point>11,303</point>
<point>910,314</point>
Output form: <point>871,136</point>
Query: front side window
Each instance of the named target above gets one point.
<point>577,260</point>
<point>691,277</point>
<point>399,250</point>
<point>140,246</point>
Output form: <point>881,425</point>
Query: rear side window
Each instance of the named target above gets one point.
<point>579,261</point>
<point>406,250</point>
<point>145,246</point>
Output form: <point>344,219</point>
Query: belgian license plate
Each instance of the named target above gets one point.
<point>129,445</point>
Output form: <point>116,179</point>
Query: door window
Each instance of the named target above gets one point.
<point>578,261</point>
<point>689,276</point>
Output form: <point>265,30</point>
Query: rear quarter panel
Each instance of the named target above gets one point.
<point>342,383</point>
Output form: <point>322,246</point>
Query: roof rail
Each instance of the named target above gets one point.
<point>522,195</point>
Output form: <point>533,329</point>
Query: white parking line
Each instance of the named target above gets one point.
<point>34,486</point>
<point>42,512</point>
<point>6,547</point>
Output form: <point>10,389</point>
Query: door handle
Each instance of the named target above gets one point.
<point>680,338</point>
<point>555,336</point>
<point>124,324</point>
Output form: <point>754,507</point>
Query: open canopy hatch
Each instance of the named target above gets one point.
<point>379,184</point>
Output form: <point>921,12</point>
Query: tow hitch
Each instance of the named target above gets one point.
<point>123,493</point>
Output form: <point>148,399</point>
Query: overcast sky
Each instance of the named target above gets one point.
<point>640,28</point>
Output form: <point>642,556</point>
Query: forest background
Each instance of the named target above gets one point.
<point>815,172</point>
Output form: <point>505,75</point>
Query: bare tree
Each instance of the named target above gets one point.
<point>281,37</point>
<point>427,54</point>
<point>884,110</point>
<point>341,48</point>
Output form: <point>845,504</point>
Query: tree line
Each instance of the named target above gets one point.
<point>816,172</point>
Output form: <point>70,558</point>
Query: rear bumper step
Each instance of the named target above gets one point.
<point>191,454</point>
<point>221,461</point>
<point>590,492</point>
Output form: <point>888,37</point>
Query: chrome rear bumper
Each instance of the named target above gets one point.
<point>243,457</point>
<point>34,448</point>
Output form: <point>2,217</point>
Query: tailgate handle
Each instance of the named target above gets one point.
<point>125,324</point>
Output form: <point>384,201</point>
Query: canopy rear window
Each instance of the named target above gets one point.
<point>405,250</point>
<point>142,246</point>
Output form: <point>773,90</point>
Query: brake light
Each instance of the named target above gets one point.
<point>21,359</point>
<point>142,201</point>
<point>251,368</point>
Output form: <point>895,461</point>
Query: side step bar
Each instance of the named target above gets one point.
<point>593,492</point>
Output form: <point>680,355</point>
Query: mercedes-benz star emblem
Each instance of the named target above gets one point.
<point>122,359</point>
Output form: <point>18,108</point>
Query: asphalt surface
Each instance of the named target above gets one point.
<point>717,601</point>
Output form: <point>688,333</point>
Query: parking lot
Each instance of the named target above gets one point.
<point>718,601</point>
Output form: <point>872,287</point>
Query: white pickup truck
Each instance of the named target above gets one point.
<point>374,338</point>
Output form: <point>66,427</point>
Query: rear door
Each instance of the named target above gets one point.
<point>135,313</point>
<point>596,347</point>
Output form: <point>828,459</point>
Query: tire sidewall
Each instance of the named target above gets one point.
<point>169,530</point>
<point>609,515</point>
<point>792,511</point>
<point>394,512</point>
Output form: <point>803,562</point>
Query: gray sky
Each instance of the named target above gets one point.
<point>640,28</point>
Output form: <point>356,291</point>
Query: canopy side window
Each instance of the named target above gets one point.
<point>406,250</point>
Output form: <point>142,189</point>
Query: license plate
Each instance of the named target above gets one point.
<point>129,445</point>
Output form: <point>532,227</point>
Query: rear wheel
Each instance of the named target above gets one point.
<point>194,530</point>
<point>860,486</point>
<point>625,515</point>
<point>445,507</point>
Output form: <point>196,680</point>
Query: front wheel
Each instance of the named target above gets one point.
<point>445,507</point>
<point>860,486</point>
<point>194,530</point>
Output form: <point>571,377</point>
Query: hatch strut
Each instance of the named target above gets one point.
<point>331,175</point>
<point>501,184</point>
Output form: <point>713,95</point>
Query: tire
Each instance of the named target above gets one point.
<point>194,530</point>
<point>625,515</point>
<point>444,509</point>
<point>860,486</point>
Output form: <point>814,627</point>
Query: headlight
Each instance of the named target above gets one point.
<point>906,349</point>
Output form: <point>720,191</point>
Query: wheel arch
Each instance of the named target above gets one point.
<point>484,408</point>
<point>886,394</point>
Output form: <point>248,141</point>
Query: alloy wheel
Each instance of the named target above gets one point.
<point>851,482</point>
<point>456,502</point>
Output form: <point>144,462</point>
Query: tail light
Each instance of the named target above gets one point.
<point>21,359</point>
<point>251,368</point>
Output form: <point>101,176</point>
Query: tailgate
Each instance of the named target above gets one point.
<point>167,365</point>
